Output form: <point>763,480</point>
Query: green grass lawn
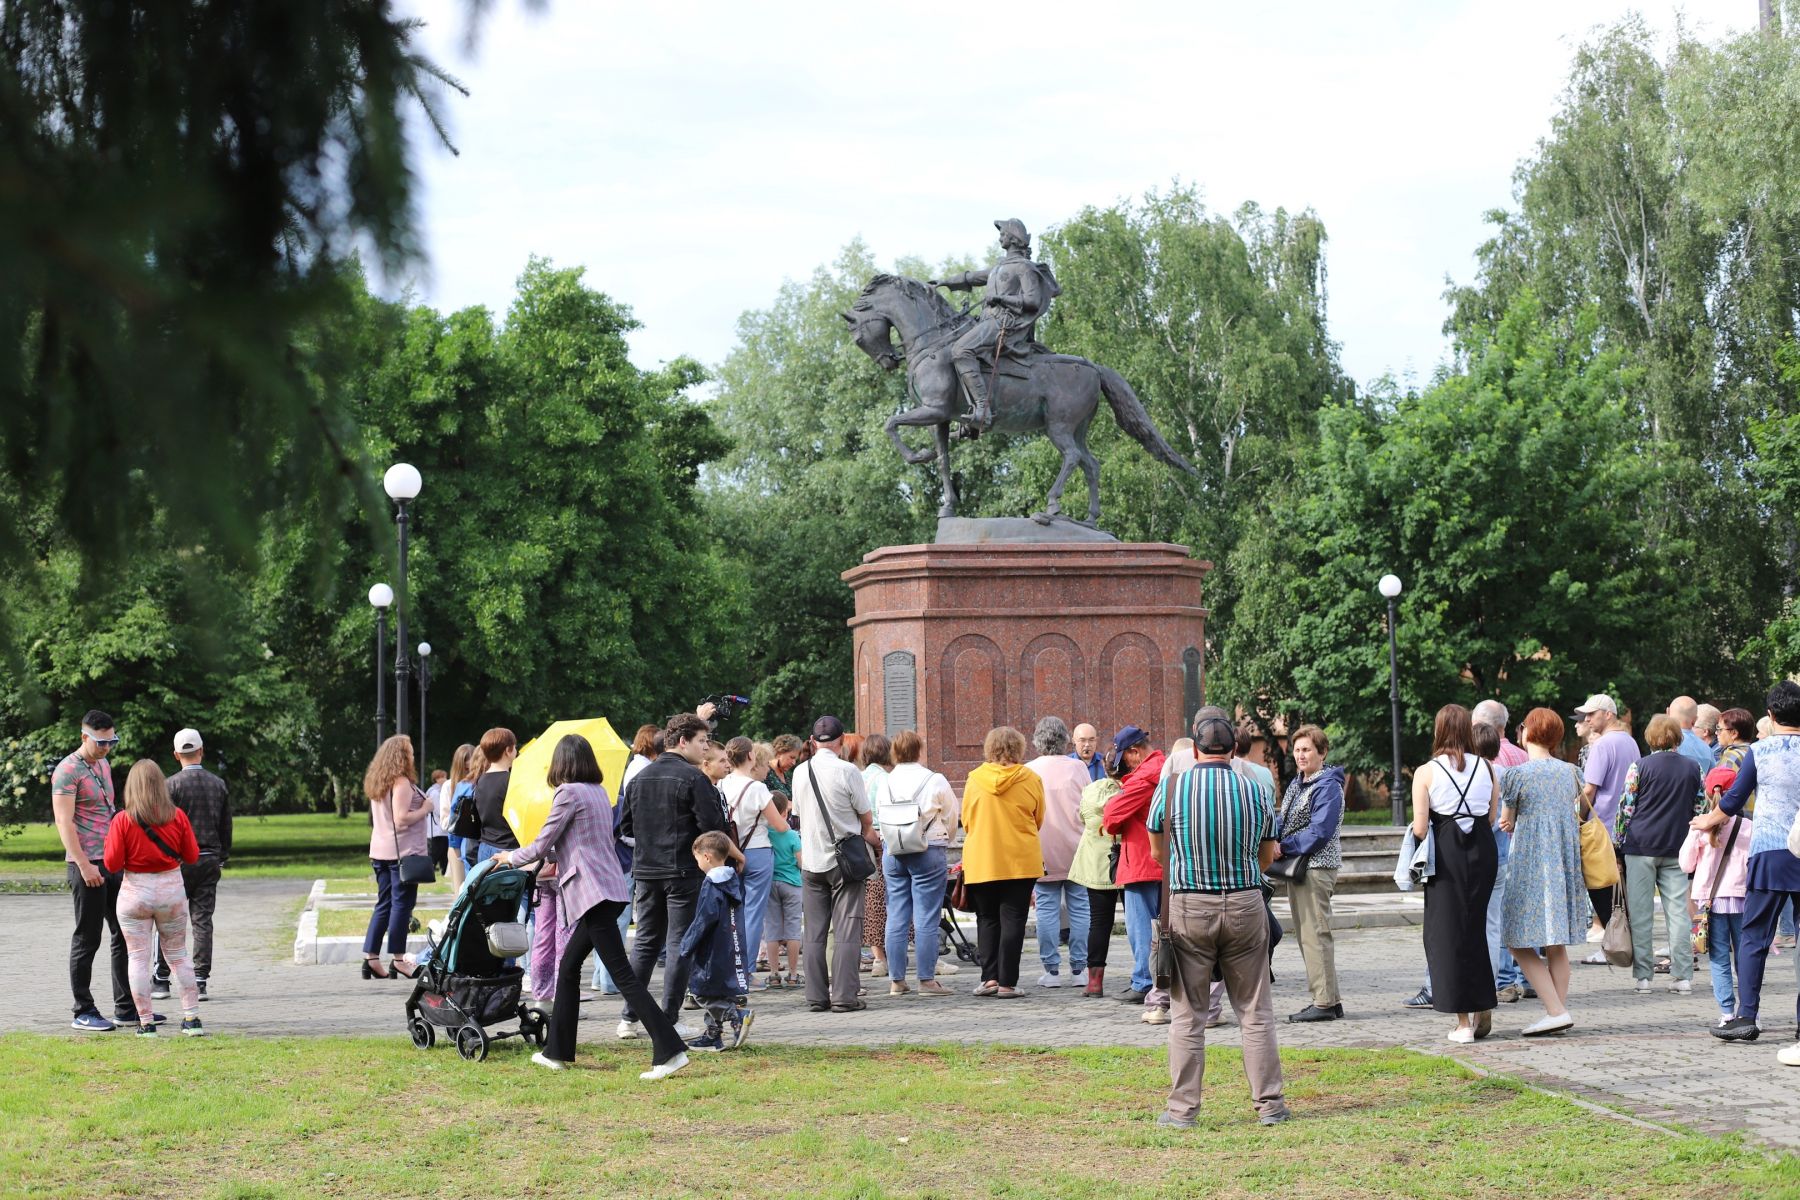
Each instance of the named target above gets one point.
<point>288,846</point>
<point>364,885</point>
<point>236,1119</point>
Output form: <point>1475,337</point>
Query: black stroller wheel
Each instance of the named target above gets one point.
<point>472,1042</point>
<point>423,1035</point>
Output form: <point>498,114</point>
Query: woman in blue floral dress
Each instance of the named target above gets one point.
<point>1546,905</point>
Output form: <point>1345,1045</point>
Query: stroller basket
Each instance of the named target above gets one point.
<point>466,1000</point>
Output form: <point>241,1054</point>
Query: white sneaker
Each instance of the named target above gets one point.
<point>628,1030</point>
<point>1548,1025</point>
<point>1050,979</point>
<point>1078,979</point>
<point>1156,1015</point>
<point>1642,987</point>
<point>946,967</point>
<point>1596,959</point>
<point>1462,1035</point>
<point>555,1064</point>
<point>685,1032</point>
<point>664,1070</point>
<point>1725,1019</point>
<point>1596,934</point>
<point>1682,987</point>
<point>1789,1056</point>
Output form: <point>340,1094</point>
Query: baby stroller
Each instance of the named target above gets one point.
<point>465,985</point>
<point>954,938</point>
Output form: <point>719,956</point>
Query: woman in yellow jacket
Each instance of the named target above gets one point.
<point>1003,807</point>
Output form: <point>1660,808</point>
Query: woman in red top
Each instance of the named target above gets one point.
<point>149,840</point>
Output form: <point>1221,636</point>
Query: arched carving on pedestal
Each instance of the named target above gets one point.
<point>1052,681</point>
<point>1130,686</point>
<point>972,692</point>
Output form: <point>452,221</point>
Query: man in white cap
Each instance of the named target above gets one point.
<point>200,794</point>
<point>1610,756</point>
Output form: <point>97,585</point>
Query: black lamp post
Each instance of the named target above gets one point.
<point>402,483</point>
<point>1390,587</point>
<point>381,595</point>
<point>424,687</point>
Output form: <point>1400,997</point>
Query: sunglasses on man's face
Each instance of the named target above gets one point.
<point>103,741</point>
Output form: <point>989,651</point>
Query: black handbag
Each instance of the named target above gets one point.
<point>468,819</point>
<point>1291,869</point>
<point>853,857</point>
<point>417,868</point>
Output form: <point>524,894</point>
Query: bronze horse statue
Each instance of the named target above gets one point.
<point>1033,389</point>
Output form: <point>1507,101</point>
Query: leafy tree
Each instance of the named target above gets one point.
<point>1507,498</point>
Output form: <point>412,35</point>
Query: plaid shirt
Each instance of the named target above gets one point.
<point>200,794</point>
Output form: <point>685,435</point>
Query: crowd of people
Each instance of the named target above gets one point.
<point>807,864</point>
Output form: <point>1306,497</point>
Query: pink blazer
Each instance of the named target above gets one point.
<point>1702,858</point>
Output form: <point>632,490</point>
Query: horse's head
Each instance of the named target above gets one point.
<point>873,333</point>
<point>889,303</point>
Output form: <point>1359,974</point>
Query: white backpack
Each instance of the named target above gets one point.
<point>898,820</point>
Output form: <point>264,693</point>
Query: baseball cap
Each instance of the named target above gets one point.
<point>1721,779</point>
<point>1214,735</point>
<point>188,739</point>
<point>1128,737</point>
<point>827,729</point>
<point>1598,701</point>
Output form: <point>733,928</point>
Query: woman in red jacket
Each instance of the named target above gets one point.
<point>1140,876</point>
<point>149,841</point>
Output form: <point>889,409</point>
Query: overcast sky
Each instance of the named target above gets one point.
<point>692,156</point>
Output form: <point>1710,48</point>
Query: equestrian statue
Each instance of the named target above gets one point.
<point>988,371</point>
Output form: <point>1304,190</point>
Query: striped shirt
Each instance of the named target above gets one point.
<point>1216,821</point>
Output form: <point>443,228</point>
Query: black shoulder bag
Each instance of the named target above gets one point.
<point>853,857</point>
<point>1293,870</point>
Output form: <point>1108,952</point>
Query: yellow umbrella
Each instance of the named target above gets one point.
<point>528,796</point>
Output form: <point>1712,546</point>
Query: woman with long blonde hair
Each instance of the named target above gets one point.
<point>149,841</point>
<point>466,765</point>
<point>397,811</point>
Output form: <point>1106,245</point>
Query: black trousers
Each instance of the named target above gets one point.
<point>97,908</point>
<point>1103,906</point>
<point>1000,908</point>
<point>664,909</point>
<point>598,932</point>
<point>201,880</point>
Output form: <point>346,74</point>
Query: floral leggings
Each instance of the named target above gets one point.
<point>157,903</point>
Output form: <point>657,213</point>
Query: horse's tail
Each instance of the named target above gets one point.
<point>1132,418</point>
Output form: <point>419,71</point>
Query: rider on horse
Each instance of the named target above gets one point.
<point>1019,291</point>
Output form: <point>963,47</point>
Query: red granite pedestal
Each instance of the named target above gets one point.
<point>952,640</point>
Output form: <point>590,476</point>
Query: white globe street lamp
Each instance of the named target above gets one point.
<point>380,596</point>
<point>402,483</point>
<point>1389,586</point>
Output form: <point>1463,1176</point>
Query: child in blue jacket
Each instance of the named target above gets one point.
<point>714,942</point>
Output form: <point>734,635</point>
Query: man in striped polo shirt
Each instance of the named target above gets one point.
<point>1214,832</point>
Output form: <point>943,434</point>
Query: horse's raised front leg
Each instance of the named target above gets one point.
<point>923,415</point>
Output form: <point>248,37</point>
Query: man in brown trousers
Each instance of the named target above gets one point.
<point>1213,831</point>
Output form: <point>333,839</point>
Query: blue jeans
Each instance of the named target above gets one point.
<point>603,981</point>
<point>1143,904</point>
<point>915,900</point>
<point>1048,898</point>
<point>1506,967</point>
<point>393,908</point>
<point>759,879</point>
<point>1722,933</point>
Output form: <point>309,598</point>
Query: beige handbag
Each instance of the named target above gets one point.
<point>1616,945</point>
<point>1599,865</point>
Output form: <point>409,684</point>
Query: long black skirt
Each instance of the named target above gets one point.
<point>1456,903</point>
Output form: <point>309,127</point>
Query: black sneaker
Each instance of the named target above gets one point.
<point>1313,1012</point>
<point>146,1031</point>
<point>190,1027</point>
<point>200,986</point>
<point>156,1018</point>
<point>1419,999</point>
<point>1737,1029</point>
<point>1132,996</point>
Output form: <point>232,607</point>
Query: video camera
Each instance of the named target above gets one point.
<point>725,705</point>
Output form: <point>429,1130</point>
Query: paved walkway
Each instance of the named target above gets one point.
<point>1647,1055</point>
